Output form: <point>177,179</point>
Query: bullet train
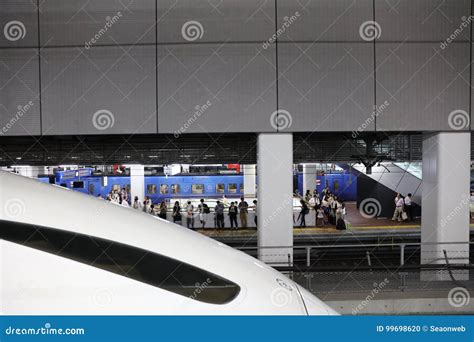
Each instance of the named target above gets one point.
<point>67,253</point>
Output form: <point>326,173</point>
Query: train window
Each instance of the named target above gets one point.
<point>91,188</point>
<point>163,188</point>
<point>175,188</point>
<point>78,185</point>
<point>151,189</point>
<point>220,188</point>
<point>232,188</point>
<point>335,185</point>
<point>241,188</point>
<point>124,260</point>
<point>197,188</point>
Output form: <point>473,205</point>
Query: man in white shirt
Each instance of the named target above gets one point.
<point>397,214</point>
<point>190,215</point>
<point>409,207</point>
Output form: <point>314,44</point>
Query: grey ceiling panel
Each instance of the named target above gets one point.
<point>216,88</point>
<point>422,85</point>
<point>92,23</point>
<point>19,92</point>
<point>327,86</point>
<point>104,90</point>
<point>18,23</point>
<point>182,21</point>
<point>322,20</point>
<point>423,20</point>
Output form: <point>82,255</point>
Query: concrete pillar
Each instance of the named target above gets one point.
<point>309,178</point>
<point>275,197</point>
<point>445,197</point>
<point>250,180</point>
<point>137,182</point>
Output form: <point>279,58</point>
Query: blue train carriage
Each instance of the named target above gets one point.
<point>162,188</point>
<point>343,185</point>
<point>72,179</point>
<point>103,185</point>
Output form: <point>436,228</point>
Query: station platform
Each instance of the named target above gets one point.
<point>358,227</point>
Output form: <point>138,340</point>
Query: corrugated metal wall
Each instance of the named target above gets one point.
<point>193,66</point>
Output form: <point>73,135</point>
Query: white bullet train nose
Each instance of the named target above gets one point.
<point>314,306</point>
<point>141,265</point>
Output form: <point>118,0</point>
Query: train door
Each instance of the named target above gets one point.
<point>93,186</point>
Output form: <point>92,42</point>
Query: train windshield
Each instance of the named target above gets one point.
<point>125,260</point>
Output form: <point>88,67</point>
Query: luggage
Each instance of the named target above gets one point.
<point>341,224</point>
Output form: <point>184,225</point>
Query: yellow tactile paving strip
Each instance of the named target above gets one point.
<point>304,231</point>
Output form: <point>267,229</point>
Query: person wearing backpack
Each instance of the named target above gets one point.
<point>233,216</point>
<point>243,208</point>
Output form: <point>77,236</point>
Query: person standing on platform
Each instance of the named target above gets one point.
<point>307,195</point>
<point>233,216</point>
<point>304,211</point>
<point>219,210</point>
<point>203,211</point>
<point>243,208</point>
<point>146,204</point>
<point>137,204</point>
<point>162,211</point>
<point>255,212</point>
<point>177,212</point>
<point>397,214</point>
<point>190,215</point>
<point>409,207</point>
<point>320,217</point>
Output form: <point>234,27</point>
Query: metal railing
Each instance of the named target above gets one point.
<point>370,248</point>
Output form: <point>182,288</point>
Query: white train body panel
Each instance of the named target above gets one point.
<point>37,282</point>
